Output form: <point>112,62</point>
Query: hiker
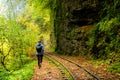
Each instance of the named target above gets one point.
<point>39,52</point>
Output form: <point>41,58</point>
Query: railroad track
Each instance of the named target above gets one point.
<point>65,73</point>
<point>79,69</point>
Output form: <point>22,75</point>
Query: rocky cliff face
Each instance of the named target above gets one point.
<point>73,19</point>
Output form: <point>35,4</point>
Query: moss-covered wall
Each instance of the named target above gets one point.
<point>73,18</point>
<point>88,27</point>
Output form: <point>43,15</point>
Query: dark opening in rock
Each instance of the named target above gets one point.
<point>84,16</point>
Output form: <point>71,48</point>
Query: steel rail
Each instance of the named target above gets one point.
<point>66,74</point>
<point>94,76</point>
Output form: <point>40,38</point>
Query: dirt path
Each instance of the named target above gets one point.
<point>46,72</point>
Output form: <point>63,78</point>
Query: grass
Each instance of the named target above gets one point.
<point>24,73</point>
<point>115,68</point>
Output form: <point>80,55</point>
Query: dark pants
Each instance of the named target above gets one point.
<point>40,57</point>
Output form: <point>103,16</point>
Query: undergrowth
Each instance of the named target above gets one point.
<point>23,73</point>
<point>115,68</point>
<point>104,38</point>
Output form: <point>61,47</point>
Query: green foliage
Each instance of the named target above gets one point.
<point>24,73</point>
<point>39,13</point>
<point>20,32</point>
<point>104,37</point>
<point>110,9</point>
<point>13,45</point>
<point>115,68</point>
<point>52,49</point>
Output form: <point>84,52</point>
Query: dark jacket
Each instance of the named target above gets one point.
<point>38,45</point>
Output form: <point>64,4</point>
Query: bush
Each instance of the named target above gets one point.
<point>104,38</point>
